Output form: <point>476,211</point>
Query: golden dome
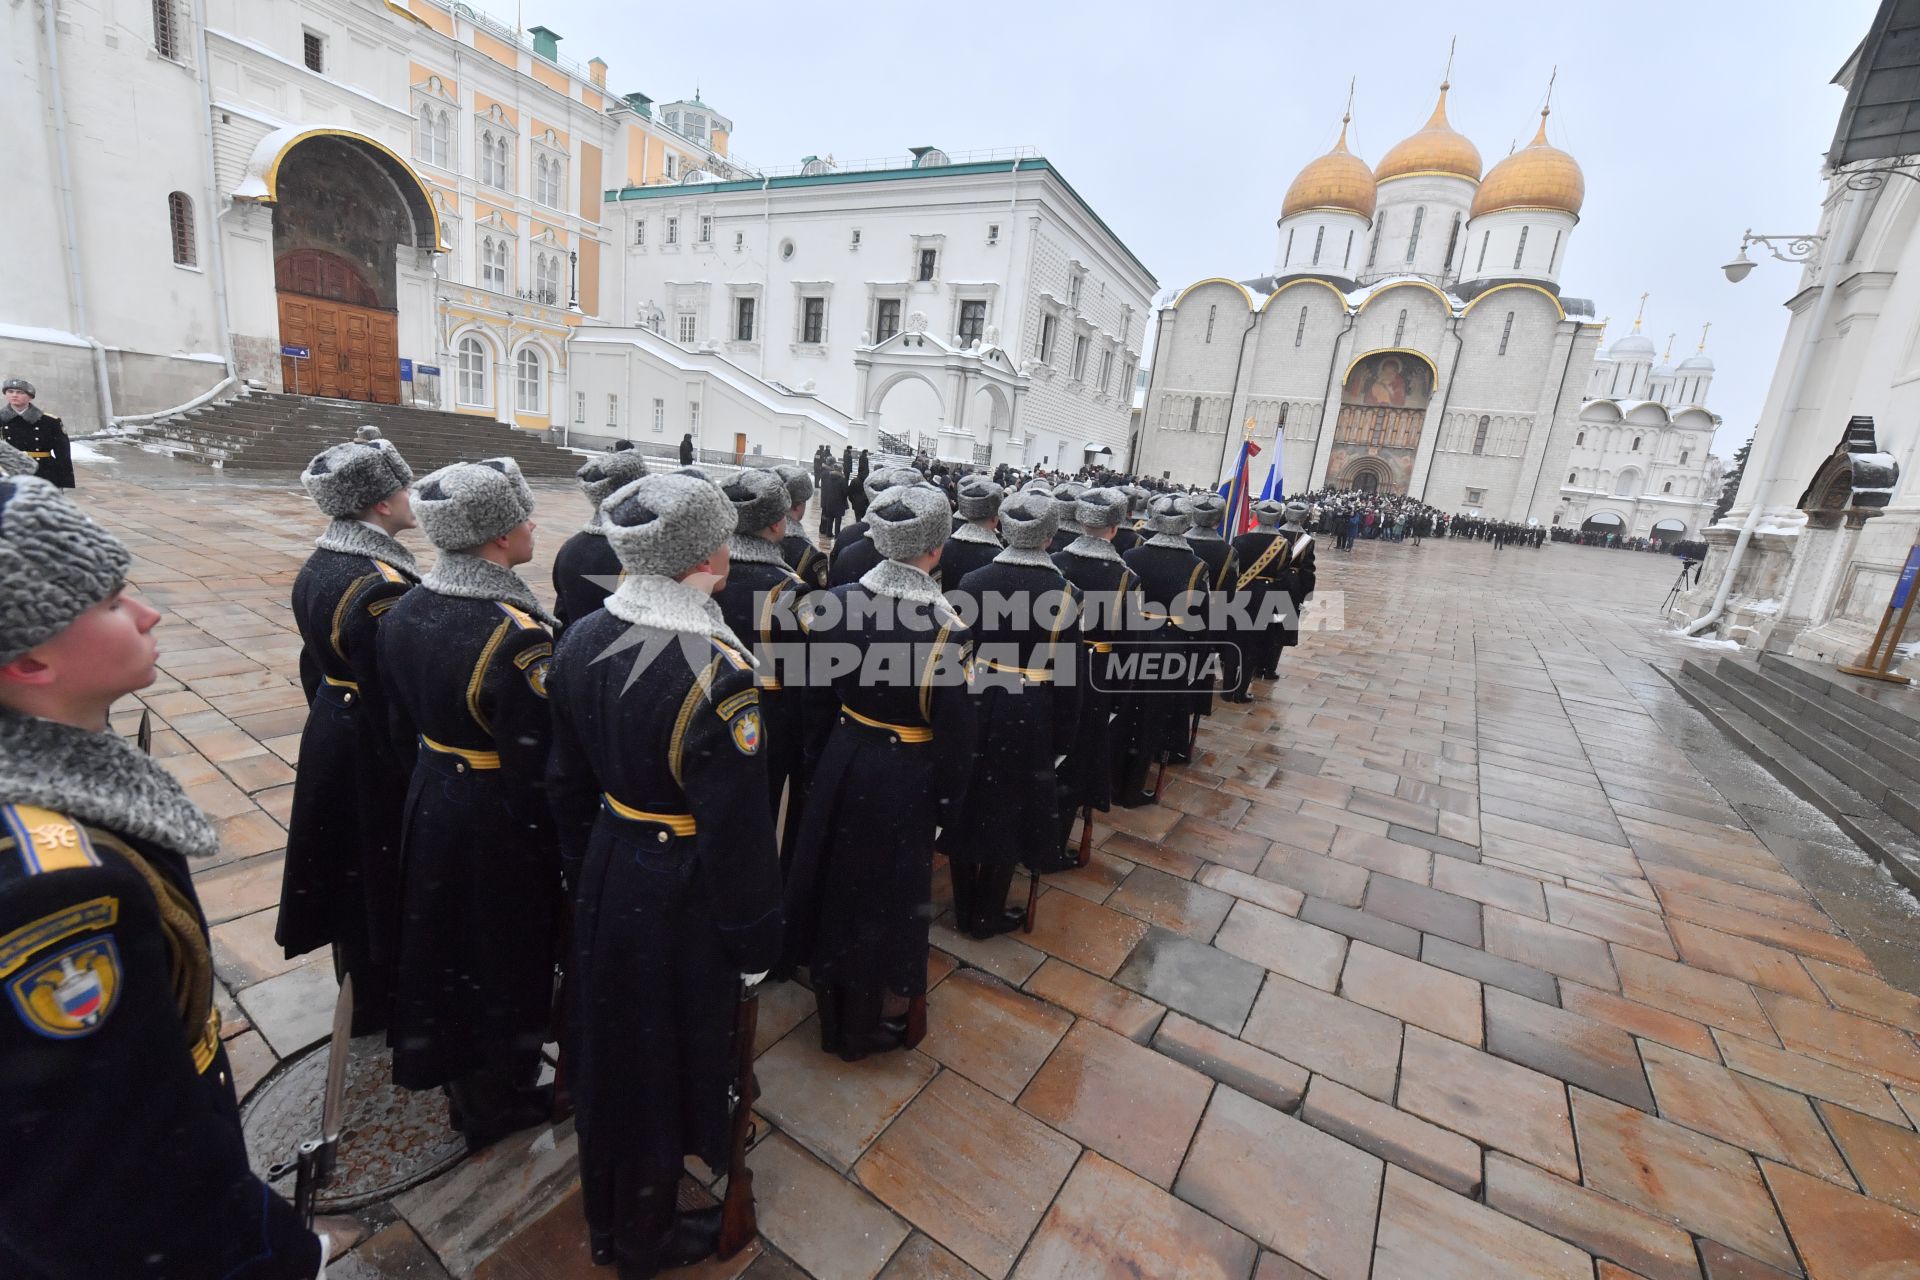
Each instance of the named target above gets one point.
<point>1538,176</point>
<point>1337,180</point>
<point>1435,149</point>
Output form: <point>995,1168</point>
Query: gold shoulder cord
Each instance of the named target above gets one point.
<point>191,966</point>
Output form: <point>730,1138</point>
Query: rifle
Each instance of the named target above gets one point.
<point>314,1159</point>
<point>738,1228</point>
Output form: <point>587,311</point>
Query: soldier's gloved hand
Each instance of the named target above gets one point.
<point>752,980</point>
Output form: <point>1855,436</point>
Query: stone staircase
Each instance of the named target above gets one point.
<point>1849,747</point>
<point>267,432</point>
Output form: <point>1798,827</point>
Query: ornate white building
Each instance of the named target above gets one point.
<point>1412,338</point>
<point>1641,462</point>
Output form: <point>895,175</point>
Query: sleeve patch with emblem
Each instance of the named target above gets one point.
<point>537,675</point>
<point>69,994</point>
<point>746,731</point>
<point>18,944</point>
<point>729,707</point>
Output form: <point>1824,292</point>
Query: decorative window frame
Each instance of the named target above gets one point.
<point>432,94</point>
<point>878,293</point>
<point>547,146</point>
<point>987,291</point>
<point>500,230</point>
<point>493,125</point>
<point>802,290</point>
<point>936,242</point>
<point>735,292</point>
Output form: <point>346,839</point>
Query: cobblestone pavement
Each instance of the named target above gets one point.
<point>1470,951</point>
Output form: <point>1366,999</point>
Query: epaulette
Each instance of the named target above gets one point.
<point>388,572</point>
<point>736,657</point>
<point>43,840</point>
<point>520,616</point>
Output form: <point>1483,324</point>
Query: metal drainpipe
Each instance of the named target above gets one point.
<point>766,269</point>
<point>1789,405</point>
<point>1331,401</point>
<point>216,243</point>
<point>1440,423</point>
<point>1253,321</point>
<point>76,294</point>
<point>1552,415</point>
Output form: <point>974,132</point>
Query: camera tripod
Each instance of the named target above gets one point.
<point>1680,584</point>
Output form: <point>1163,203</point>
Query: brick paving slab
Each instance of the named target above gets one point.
<point>1477,810</point>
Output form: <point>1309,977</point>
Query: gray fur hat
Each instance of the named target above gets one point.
<point>1100,509</point>
<point>1167,513</point>
<point>980,498</point>
<point>1037,485</point>
<point>907,521</point>
<point>1206,510</point>
<point>55,564</point>
<point>606,472</point>
<point>1028,521</point>
<point>666,524</point>
<point>1066,494</point>
<point>468,503</point>
<point>799,482</point>
<point>18,384</point>
<point>1298,511</point>
<point>758,497</point>
<point>15,462</point>
<point>351,477</point>
<point>1267,513</point>
<point>878,482</point>
<point>1136,499</point>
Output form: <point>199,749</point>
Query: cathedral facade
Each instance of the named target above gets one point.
<point>1412,337</point>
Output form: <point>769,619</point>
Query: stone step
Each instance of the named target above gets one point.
<point>1890,842</point>
<point>1889,748</point>
<point>1895,708</point>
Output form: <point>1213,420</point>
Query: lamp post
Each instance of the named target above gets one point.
<point>1801,249</point>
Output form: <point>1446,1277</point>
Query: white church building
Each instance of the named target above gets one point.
<point>1412,337</point>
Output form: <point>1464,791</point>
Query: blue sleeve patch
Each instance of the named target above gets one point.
<point>70,993</point>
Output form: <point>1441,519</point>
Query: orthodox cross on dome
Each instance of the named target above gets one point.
<point>1641,313</point>
<point>1446,78</point>
<point>1346,117</point>
<point>1668,358</point>
<point>1702,348</point>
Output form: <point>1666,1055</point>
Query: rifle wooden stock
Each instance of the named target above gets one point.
<point>1033,901</point>
<point>1086,836</point>
<point>738,1228</point>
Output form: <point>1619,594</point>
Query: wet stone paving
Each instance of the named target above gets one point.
<point>1469,950</point>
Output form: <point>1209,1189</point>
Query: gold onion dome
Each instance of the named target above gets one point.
<point>1437,148</point>
<point>1538,176</point>
<point>1337,180</point>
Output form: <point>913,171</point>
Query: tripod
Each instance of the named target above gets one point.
<point>1680,584</point>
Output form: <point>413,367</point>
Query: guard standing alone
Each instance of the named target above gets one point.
<point>41,436</point>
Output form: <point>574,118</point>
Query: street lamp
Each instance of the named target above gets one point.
<point>1802,249</point>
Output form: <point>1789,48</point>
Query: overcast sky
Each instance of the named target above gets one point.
<point>1183,123</point>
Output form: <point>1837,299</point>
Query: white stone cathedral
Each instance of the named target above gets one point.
<point>1412,338</point>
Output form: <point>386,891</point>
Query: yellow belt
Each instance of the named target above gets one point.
<point>905,732</point>
<point>1098,646</point>
<point>342,684</point>
<point>474,759</point>
<point>207,1045</point>
<point>681,824</point>
<point>1036,674</point>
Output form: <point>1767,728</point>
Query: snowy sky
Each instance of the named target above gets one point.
<point>1183,123</point>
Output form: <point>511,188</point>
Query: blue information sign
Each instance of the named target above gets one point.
<point>430,370</point>
<point>1904,588</point>
<point>406,369</point>
<point>295,351</point>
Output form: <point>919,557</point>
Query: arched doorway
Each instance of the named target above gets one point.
<point>907,410</point>
<point>1603,522</point>
<point>1383,409</point>
<point>1367,481</point>
<point>1669,531</point>
<point>344,209</point>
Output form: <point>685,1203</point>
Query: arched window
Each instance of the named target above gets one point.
<point>1506,333</point>
<point>540,179</point>
<point>1211,312</point>
<point>1453,241</point>
<point>472,381</point>
<point>1281,423</point>
<point>1520,250</point>
<point>1319,238</point>
<point>1667,487</point>
<point>1300,329</point>
<point>1683,457</point>
<point>546,278</point>
<point>1480,434</point>
<point>1373,250</point>
<point>495,263</point>
<point>1400,328</point>
<point>1580,439</point>
<point>1287,257</point>
<point>488,173</point>
<point>1570,476</point>
<point>1554,256</point>
<point>529,385</point>
<point>1636,444</point>
<point>423,133</point>
<point>186,252</point>
<point>1413,237</point>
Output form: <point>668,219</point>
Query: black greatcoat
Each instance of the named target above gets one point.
<point>852,558</point>
<point>1125,539</point>
<point>341,880</point>
<point>659,793</point>
<point>1263,568</point>
<point>480,875</point>
<point>761,605</point>
<point>962,555</point>
<point>889,752</point>
<point>1173,581</point>
<point>1110,600</point>
<point>44,437</point>
<point>807,560</point>
<point>1298,581</point>
<point>1222,572</point>
<point>584,557</point>
<point>1027,678</point>
<point>123,1134</point>
<point>848,535</point>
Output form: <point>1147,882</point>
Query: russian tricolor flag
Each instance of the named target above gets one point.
<point>1237,489</point>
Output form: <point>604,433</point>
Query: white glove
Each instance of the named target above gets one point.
<point>752,980</point>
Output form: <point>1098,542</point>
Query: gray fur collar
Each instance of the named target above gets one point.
<point>902,582</point>
<point>796,530</point>
<point>1172,540</point>
<point>594,526</point>
<point>1072,527</point>
<point>1293,528</point>
<point>29,414</point>
<point>102,780</point>
<point>971,532</point>
<point>352,537</point>
<point>1208,534</point>
<point>749,549</point>
<point>1033,557</point>
<point>660,603</point>
<point>1092,548</point>
<point>467,577</point>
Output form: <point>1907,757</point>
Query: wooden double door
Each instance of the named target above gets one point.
<point>353,351</point>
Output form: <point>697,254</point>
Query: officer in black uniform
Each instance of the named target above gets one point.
<point>1102,754</point>
<point>801,553</point>
<point>40,436</point>
<point>761,603</point>
<point>853,551</point>
<point>1027,685</point>
<point>1173,581</point>
<point>658,783</point>
<point>1208,512</point>
<point>464,658</point>
<point>585,568</point>
<point>1128,535</point>
<point>1262,554</point>
<point>117,1107</point>
<point>340,882</point>
<point>1299,578</point>
<point>889,752</point>
<point>1066,497</point>
<point>974,542</point>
